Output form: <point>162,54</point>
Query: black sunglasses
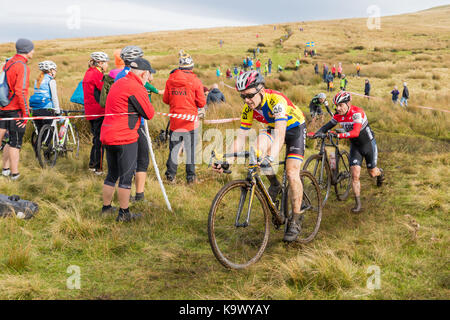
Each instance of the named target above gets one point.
<point>250,95</point>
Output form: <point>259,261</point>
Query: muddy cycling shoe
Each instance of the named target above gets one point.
<point>108,210</point>
<point>6,172</point>
<point>357,208</point>
<point>274,190</point>
<point>380,178</point>
<point>127,216</point>
<point>293,230</point>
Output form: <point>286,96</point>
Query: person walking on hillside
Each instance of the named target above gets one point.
<point>18,78</point>
<point>244,64</point>
<point>325,72</point>
<point>333,71</point>
<point>330,80</point>
<point>358,70</point>
<point>258,65</point>
<point>120,136</point>
<point>44,101</point>
<point>395,93</point>
<point>236,72</point>
<point>266,69</point>
<point>92,87</point>
<point>228,74</point>
<point>297,64</point>
<point>184,94</point>
<point>254,53</point>
<point>339,70</point>
<point>250,64</point>
<point>344,83</point>
<point>215,95</point>
<point>405,95</point>
<point>367,88</point>
<point>270,65</point>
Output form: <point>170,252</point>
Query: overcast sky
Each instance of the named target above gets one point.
<point>46,19</point>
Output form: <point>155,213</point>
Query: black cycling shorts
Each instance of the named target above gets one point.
<point>368,151</point>
<point>295,140</point>
<point>121,164</point>
<point>143,150</point>
<point>15,133</point>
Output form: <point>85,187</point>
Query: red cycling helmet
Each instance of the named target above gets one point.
<point>342,97</point>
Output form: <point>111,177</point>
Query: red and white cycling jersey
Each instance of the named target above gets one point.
<point>355,124</point>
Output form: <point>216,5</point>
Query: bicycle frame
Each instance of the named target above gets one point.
<point>323,152</point>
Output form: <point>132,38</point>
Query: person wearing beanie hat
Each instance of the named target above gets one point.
<point>184,94</point>
<point>18,77</point>
<point>186,62</point>
<point>24,46</point>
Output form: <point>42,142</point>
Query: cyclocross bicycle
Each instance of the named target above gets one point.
<point>320,167</point>
<point>238,222</point>
<point>53,141</point>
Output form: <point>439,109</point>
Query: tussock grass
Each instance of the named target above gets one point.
<point>403,229</point>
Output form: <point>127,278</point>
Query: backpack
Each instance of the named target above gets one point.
<point>107,83</point>
<point>4,87</point>
<point>78,94</point>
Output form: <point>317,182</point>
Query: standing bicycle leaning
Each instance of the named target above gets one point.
<point>362,142</point>
<point>286,125</point>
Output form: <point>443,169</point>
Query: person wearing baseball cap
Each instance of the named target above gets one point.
<point>18,77</point>
<point>119,134</point>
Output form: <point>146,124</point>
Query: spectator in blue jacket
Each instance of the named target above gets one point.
<point>395,93</point>
<point>215,95</point>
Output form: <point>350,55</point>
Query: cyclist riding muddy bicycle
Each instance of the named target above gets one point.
<point>286,124</point>
<point>362,141</point>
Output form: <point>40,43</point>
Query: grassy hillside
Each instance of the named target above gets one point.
<point>403,230</point>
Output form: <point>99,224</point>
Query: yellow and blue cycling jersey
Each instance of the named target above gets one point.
<point>274,107</point>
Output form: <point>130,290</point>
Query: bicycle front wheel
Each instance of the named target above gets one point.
<point>46,147</point>
<point>323,176</point>
<point>72,143</point>
<point>235,245</point>
<point>344,177</point>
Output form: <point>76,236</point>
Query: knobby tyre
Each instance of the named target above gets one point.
<point>46,147</point>
<point>344,177</point>
<point>238,247</point>
<point>311,208</point>
<point>314,165</point>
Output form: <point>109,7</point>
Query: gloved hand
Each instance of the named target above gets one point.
<point>266,161</point>
<point>325,103</point>
<point>318,134</point>
<point>333,134</point>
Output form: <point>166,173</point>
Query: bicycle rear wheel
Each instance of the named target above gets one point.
<point>46,147</point>
<point>314,165</point>
<point>343,180</point>
<point>311,208</point>
<point>238,247</point>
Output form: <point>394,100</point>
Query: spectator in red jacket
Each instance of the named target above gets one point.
<point>184,94</point>
<point>92,87</point>
<point>18,77</point>
<point>119,134</point>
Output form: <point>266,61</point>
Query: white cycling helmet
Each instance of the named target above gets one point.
<point>249,79</point>
<point>322,96</point>
<point>130,53</point>
<point>47,65</point>
<point>99,56</point>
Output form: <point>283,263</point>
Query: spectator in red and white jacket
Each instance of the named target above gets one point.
<point>92,87</point>
<point>18,77</point>
<point>184,94</point>
<point>119,134</point>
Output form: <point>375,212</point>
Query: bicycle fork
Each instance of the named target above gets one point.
<point>244,193</point>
